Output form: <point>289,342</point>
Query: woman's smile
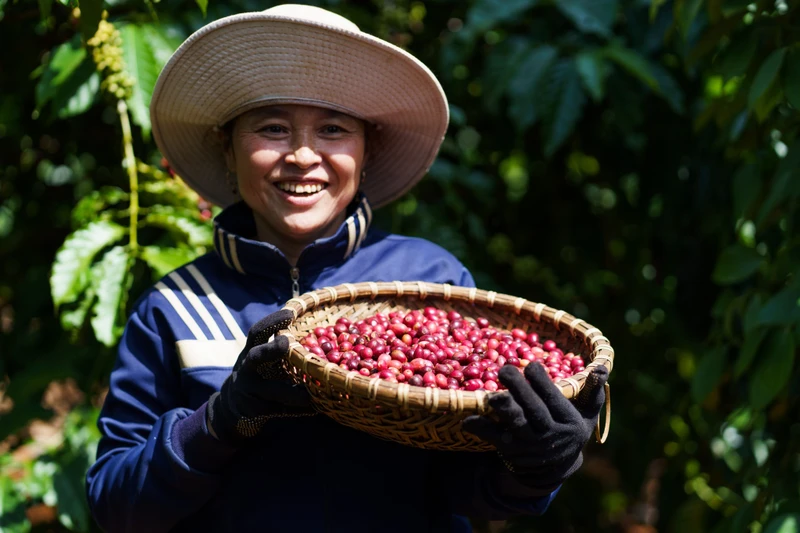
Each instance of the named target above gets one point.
<point>293,188</point>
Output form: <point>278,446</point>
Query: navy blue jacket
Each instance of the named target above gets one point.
<point>157,467</point>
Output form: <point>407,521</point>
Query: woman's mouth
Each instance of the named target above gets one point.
<point>300,189</point>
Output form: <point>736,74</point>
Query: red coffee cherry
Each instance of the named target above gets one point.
<point>436,348</point>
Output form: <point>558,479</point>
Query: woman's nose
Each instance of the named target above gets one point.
<point>303,153</point>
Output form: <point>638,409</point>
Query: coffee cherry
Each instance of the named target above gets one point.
<point>438,349</point>
<point>490,385</point>
<point>473,384</point>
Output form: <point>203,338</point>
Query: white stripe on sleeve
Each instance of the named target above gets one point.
<point>221,308</point>
<point>181,310</point>
<point>216,333</point>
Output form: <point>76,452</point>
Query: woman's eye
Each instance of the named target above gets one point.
<point>272,128</point>
<point>331,129</point>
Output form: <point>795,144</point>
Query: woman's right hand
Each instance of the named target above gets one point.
<point>258,388</point>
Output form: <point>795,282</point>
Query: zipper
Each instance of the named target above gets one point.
<point>294,273</point>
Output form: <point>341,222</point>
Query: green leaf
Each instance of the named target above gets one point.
<point>562,117</point>
<point>783,309</point>
<point>787,263</point>
<point>785,523</point>
<point>164,260</point>
<point>774,368</point>
<point>784,185</point>
<point>110,285</point>
<point>592,70</point>
<point>787,506</point>
<point>91,13</point>
<point>686,15</point>
<point>737,126</point>
<point>590,16</point>
<point>502,64</point>
<point>90,206</point>
<point>735,59</point>
<point>73,511</point>
<point>750,319</point>
<point>485,14</point>
<point>83,96</point>
<point>64,62</point>
<point>707,44</point>
<point>69,80</point>
<point>186,228</point>
<point>163,41</point>
<point>70,268</point>
<point>72,319</point>
<point>667,87</point>
<point>736,263</point>
<point>791,79</point>
<point>743,518</point>
<point>766,77</point>
<point>145,50</point>
<point>747,353</point>
<point>741,418</point>
<point>168,192</point>
<point>731,7</point>
<point>45,7</point>
<point>768,101</point>
<point>480,183</point>
<point>139,62</point>
<point>12,507</point>
<point>632,62</point>
<point>203,5</point>
<point>746,188</point>
<point>655,5</point>
<point>523,109</point>
<point>708,374</point>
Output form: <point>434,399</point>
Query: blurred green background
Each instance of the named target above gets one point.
<point>633,162</point>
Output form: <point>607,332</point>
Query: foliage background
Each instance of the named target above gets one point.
<point>634,162</point>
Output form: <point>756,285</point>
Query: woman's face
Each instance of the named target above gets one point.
<point>298,167</point>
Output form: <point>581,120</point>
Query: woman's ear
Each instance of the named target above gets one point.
<point>370,139</point>
<point>224,136</point>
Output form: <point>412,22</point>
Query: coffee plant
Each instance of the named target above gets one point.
<point>633,162</point>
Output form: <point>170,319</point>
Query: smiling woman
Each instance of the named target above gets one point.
<point>259,113</point>
<point>297,168</point>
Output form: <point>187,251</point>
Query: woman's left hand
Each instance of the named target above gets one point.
<point>538,433</point>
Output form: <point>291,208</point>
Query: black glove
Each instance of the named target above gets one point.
<point>258,388</point>
<point>538,433</point>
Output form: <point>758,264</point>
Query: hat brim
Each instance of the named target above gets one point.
<point>253,59</point>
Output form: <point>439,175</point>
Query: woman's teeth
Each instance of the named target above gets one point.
<point>299,188</point>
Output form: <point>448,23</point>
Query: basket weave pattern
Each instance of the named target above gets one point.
<point>423,417</point>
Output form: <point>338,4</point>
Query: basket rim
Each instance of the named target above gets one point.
<point>430,399</point>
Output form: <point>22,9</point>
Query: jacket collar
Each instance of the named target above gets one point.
<point>236,244</point>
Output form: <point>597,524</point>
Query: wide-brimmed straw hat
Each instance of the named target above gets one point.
<point>296,54</point>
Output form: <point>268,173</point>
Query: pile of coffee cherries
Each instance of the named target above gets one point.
<point>436,348</point>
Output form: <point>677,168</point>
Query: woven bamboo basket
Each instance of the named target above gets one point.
<point>424,417</point>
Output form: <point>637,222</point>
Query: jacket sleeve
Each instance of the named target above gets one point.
<point>154,461</point>
<point>485,489</point>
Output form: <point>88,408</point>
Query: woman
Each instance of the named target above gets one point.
<point>299,123</point>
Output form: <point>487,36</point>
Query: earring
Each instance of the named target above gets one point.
<point>363,177</point>
<point>230,179</point>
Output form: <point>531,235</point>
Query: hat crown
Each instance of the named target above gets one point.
<point>313,15</point>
